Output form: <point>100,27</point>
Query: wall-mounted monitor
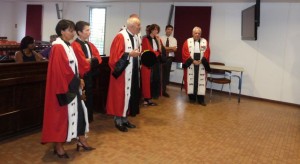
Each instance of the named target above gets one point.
<point>250,21</point>
<point>249,25</point>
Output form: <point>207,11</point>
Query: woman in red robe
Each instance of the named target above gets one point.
<point>88,58</point>
<point>65,115</point>
<point>151,77</point>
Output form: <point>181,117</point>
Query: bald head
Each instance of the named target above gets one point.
<point>133,16</point>
<point>196,29</point>
<point>133,25</point>
<point>197,33</point>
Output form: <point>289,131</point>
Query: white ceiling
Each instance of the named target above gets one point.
<point>217,1</point>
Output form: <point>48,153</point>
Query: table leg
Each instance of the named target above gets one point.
<point>240,87</point>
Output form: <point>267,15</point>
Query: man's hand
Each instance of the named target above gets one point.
<point>135,53</point>
<point>197,62</point>
<point>82,83</point>
<point>171,49</point>
<point>174,48</point>
<point>83,96</point>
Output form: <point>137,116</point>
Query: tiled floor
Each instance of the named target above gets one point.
<point>179,132</point>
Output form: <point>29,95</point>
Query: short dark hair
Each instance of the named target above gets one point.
<point>80,26</point>
<point>169,26</point>
<point>26,41</point>
<point>154,26</point>
<point>63,25</point>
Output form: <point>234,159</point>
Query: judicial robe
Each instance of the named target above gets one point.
<point>123,92</point>
<point>91,68</point>
<point>151,77</point>
<point>138,37</point>
<point>60,121</point>
<point>84,65</point>
<point>187,60</point>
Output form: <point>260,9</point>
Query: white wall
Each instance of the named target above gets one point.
<point>49,20</point>
<point>291,72</point>
<point>19,18</point>
<point>6,15</point>
<point>117,13</point>
<point>269,63</point>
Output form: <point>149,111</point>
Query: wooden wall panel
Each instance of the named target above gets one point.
<point>101,86</point>
<point>22,89</point>
<point>6,99</point>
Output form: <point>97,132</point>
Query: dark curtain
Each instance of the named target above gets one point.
<point>34,21</point>
<point>186,18</point>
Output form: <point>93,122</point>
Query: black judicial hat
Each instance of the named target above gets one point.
<point>148,58</point>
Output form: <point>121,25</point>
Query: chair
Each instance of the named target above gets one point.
<point>219,77</point>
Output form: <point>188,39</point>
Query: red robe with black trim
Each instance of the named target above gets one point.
<point>83,64</point>
<point>186,55</point>
<point>146,71</point>
<point>116,91</point>
<point>59,76</point>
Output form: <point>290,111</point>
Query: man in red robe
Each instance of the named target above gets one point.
<point>123,91</point>
<point>195,59</point>
<point>88,59</point>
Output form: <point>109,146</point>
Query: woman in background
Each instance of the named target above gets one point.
<point>27,53</point>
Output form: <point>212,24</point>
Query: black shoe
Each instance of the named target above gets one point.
<point>149,103</point>
<point>202,103</point>
<point>165,94</point>
<point>91,119</point>
<point>122,128</point>
<point>81,145</point>
<point>129,125</point>
<point>155,97</point>
<point>65,155</point>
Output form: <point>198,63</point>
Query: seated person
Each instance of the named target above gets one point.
<point>46,52</point>
<point>27,53</point>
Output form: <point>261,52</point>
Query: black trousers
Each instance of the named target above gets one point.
<point>81,121</point>
<point>135,95</point>
<point>194,97</point>
<point>155,78</point>
<point>88,80</point>
<point>166,69</point>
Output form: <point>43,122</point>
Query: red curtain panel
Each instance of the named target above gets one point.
<point>186,18</point>
<point>34,21</point>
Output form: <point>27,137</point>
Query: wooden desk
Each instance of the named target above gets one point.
<point>233,69</point>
